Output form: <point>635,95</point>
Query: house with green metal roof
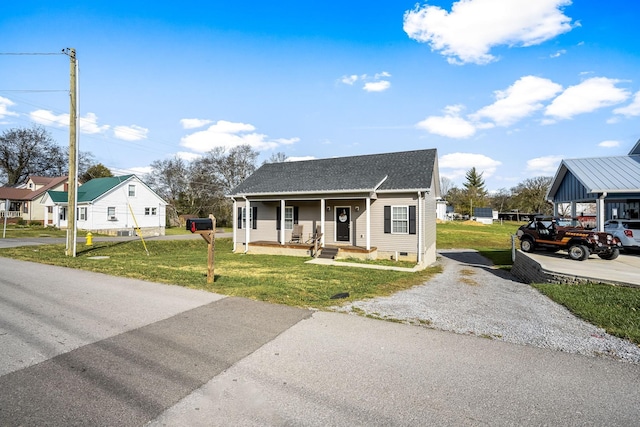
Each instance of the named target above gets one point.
<point>113,205</point>
<point>612,183</point>
<point>379,206</point>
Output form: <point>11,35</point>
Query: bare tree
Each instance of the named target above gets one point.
<point>445,186</point>
<point>278,157</point>
<point>29,151</point>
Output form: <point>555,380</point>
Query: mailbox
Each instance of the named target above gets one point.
<point>199,224</point>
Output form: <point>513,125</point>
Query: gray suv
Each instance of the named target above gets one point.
<point>627,230</point>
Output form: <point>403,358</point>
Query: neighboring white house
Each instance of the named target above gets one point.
<point>113,206</point>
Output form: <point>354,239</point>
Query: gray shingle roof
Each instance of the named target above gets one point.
<point>408,170</point>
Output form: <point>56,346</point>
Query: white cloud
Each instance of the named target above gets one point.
<point>456,165</point>
<point>631,110</point>
<point>379,86</point>
<point>558,53</point>
<point>188,156</point>
<point>370,84</point>
<point>130,133</point>
<point>4,107</point>
<point>519,100</point>
<point>590,95</point>
<point>194,123</point>
<point>299,159</point>
<point>349,80</point>
<point>544,165</point>
<point>473,27</point>
<point>609,144</point>
<point>48,118</point>
<point>89,124</point>
<point>450,125</point>
<point>230,134</point>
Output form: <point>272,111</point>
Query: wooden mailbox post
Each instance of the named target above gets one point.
<point>207,229</point>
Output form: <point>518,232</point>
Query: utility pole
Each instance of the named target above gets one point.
<point>73,154</point>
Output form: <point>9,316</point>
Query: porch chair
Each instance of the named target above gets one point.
<point>296,234</point>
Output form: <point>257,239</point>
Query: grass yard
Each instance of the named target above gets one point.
<point>616,309</point>
<point>24,231</point>
<point>276,279</point>
<point>492,241</point>
<point>288,280</point>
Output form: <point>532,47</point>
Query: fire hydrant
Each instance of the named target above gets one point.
<point>89,239</point>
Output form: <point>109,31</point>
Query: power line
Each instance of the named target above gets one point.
<point>31,53</point>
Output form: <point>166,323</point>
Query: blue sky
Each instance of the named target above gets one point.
<point>507,86</point>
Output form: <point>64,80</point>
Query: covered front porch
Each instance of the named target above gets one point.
<point>312,250</point>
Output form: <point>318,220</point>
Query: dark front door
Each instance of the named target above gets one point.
<point>343,219</point>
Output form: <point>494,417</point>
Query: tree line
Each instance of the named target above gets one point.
<point>199,187</point>
<point>32,151</point>
<point>529,196</point>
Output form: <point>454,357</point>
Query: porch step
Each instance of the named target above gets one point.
<point>328,253</point>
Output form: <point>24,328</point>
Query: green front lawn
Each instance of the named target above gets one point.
<point>272,278</point>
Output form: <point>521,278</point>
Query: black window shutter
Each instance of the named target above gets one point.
<point>278,218</point>
<point>387,219</point>
<point>239,217</point>
<point>412,220</point>
<point>295,214</point>
<point>254,219</point>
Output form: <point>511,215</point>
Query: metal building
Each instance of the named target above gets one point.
<point>612,183</point>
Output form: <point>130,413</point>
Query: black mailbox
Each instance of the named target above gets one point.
<point>198,224</point>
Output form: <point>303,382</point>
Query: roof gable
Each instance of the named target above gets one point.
<point>96,187</point>
<point>619,174</point>
<point>409,170</point>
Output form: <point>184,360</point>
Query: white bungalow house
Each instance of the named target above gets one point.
<point>114,206</point>
<point>25,201</point>
<point>378,206</point>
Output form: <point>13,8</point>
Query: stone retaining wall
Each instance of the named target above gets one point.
<point>529,271</point>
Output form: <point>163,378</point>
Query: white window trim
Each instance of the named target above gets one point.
<point>111,217</point>
<point>244,218</point>
<point>393,220</point>
<point>82,213</point>
<point>288,218</point>
<point>132,188</point>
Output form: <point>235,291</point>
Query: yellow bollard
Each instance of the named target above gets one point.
<point>89,239</point>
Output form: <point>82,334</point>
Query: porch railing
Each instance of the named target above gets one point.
<point>10,214</point>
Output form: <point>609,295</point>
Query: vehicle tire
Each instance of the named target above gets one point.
<point>527,245</point>
<point>578,252</point>
<point>612,254</point>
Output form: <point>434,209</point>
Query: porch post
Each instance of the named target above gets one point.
<point>235,223</point>
<point>367,210</point>
<point>574,209</point>
<point>322,210</point>
<point>247,217</point>
<point>420,227</point>
<point>600,212</point>
<point>282,230</point>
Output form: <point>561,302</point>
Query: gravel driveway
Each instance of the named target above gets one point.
<point>472,297</point>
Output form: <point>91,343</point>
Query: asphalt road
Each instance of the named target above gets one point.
<point>79,348</point>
